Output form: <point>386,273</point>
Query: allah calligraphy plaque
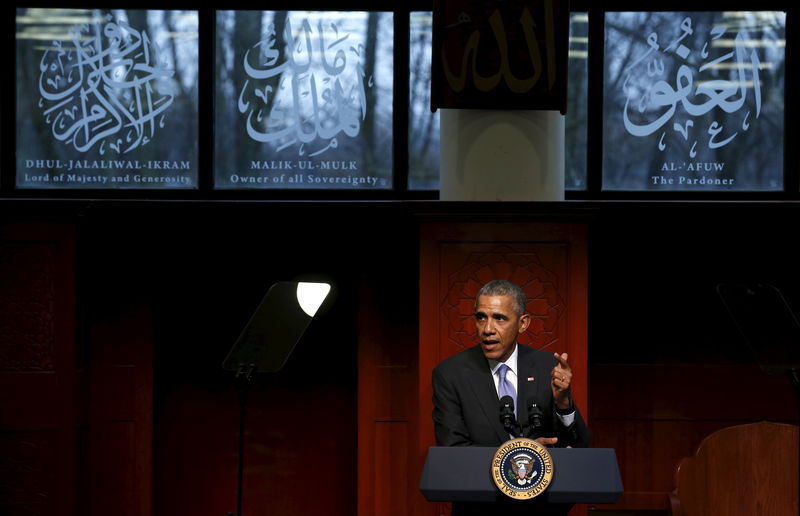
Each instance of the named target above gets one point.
<point>106,98</point>
<point>500,54</point>
<point>303,100</point>
<point>694,101</point>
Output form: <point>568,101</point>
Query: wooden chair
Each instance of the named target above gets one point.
<point>746,470</point>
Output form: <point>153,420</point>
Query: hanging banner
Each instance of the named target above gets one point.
<point>500,55</point>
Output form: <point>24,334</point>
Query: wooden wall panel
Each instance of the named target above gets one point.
<point>386,408</point>
<point>298,454</point>
<point>196,452</point>
<point>120,430</point>
<point>40,403</point>
<point>393,498</point>
<point>29,481</point>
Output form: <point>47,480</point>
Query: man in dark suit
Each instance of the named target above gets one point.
<point>467,386</point>
<point>467,389</point>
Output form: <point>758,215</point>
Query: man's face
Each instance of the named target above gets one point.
<point>498,326</point>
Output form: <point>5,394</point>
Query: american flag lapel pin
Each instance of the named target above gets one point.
<point>531,378</point>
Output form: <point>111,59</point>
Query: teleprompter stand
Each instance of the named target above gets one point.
<point>263,347</point>
<point>769,326</point>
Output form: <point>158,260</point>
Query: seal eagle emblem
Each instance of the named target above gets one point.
<point>522,468</point>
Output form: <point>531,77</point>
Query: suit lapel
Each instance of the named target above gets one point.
<point>482,384</point>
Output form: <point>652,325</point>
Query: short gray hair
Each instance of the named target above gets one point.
<point>504,288</point>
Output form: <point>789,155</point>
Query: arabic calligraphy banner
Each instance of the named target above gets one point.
<point>304,100</point>
<point>694,101</point>
<point>106,98</point>
<point>500,54</point>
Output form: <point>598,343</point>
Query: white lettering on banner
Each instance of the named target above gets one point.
<point>655,103</point>
<point>311,98</point>
<point>100,88</point>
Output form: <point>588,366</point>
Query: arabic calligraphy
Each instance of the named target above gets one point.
<point>311,99</point>
<point>100,88</point>
<point>692,97</point>
<point>467,63</point>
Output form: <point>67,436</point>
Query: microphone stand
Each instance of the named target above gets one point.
<point>510,423</point>
<point>534,422</point>
<point>244,380</point>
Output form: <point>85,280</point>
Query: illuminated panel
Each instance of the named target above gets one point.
<point>575,122</point>
<point>694,101</point>
<point>303,100</point>
<point>106,98</point>
<point>423,126</point>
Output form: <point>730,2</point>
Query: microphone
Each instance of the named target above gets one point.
<point>507,416</point>
<point>535,416</point>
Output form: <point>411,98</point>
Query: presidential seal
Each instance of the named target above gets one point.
<point>522,468</point>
